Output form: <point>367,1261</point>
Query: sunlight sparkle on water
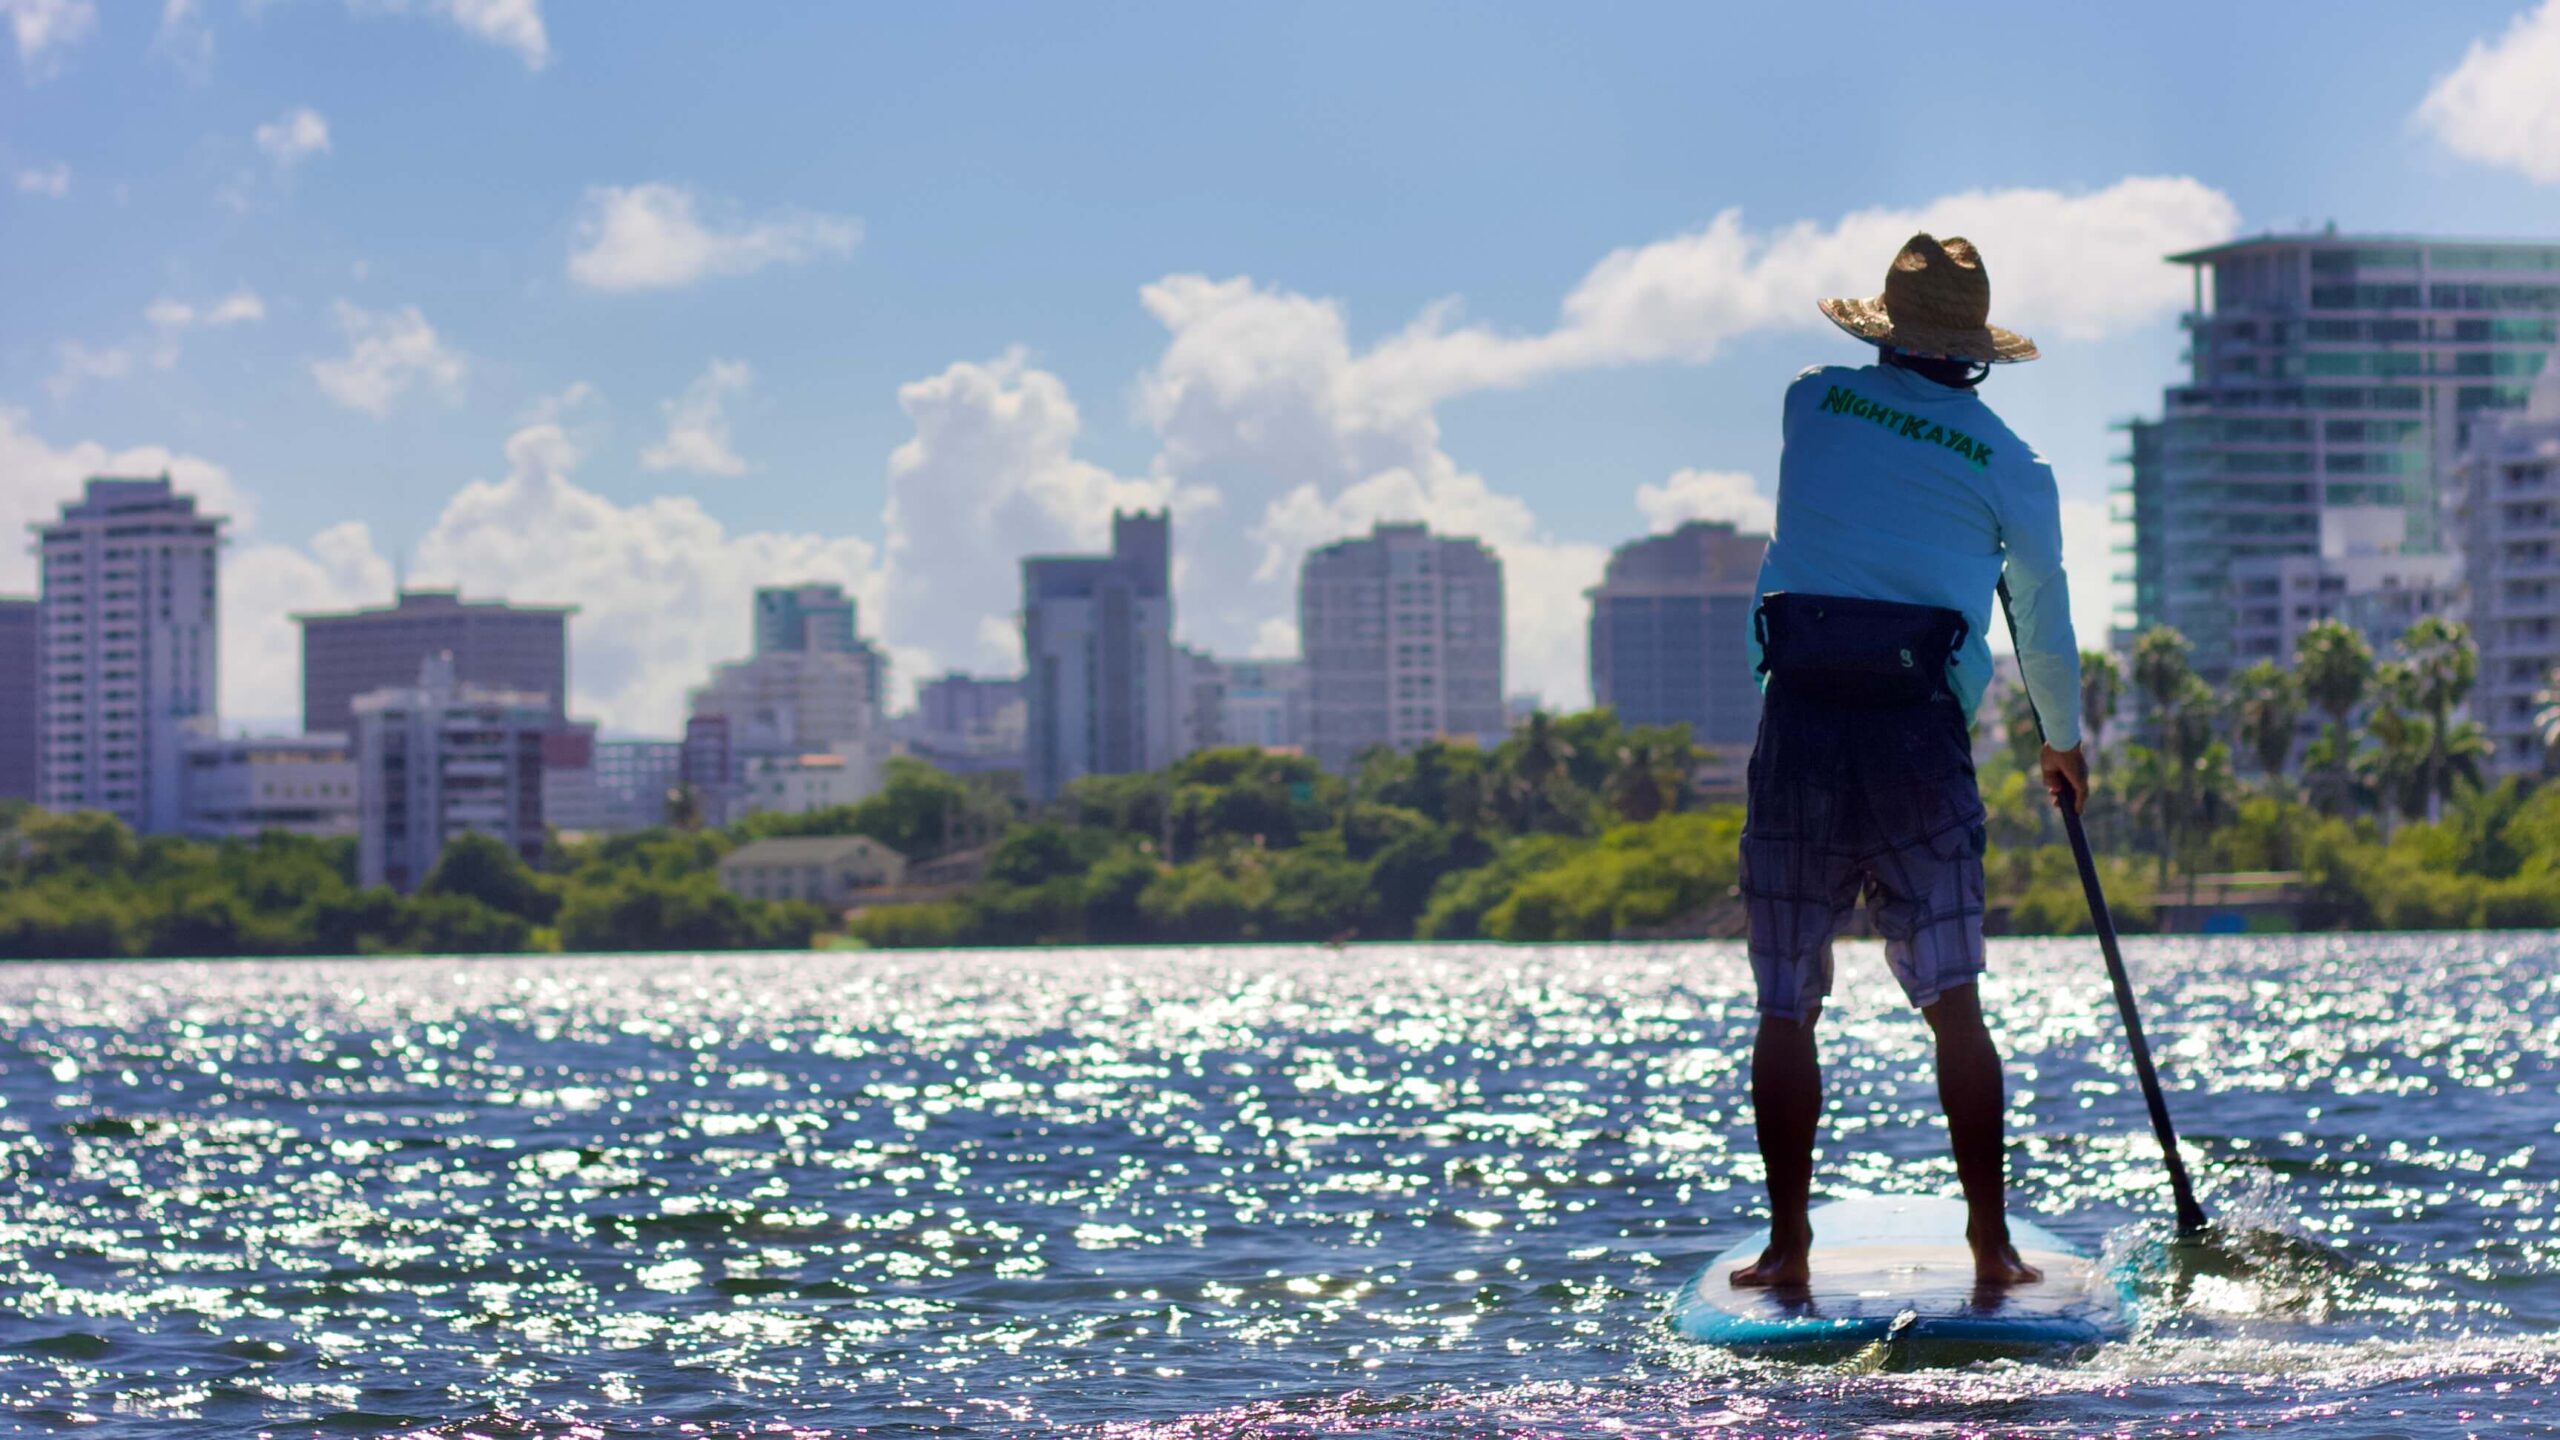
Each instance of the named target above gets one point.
<point>1423,1190</point>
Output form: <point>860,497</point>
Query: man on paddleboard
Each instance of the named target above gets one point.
<point>1903,502</point>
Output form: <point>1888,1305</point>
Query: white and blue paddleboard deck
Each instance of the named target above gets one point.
<point>1897,1267</point>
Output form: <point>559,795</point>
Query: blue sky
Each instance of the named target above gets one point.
<point>636,306</point>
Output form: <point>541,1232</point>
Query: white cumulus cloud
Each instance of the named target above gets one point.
<point>1260,396</point>
<point>652,237</point>
<point>1726,495</point>
<point>2066,265</point>
<point>295,136</point>
<point>663,589</point>
<point>388,352</point>
<point>45,28</point>
<point>2501,105</point>
<point>989,477</point>
<point>697,437</point>
<point>53,181</point>
<point>265,583</point>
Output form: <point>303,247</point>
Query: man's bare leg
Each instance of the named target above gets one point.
<point>1970,1091</point>
<point>1786,1104</point>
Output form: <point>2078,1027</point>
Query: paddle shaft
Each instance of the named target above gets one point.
<point>2190,1214</point>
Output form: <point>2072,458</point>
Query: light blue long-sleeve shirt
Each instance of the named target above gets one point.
<point>1892,487</point>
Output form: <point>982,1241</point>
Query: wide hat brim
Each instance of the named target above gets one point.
<point>1870,321</point>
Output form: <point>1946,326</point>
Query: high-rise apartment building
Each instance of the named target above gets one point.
<point>2334,379</point>
<point>1669,626</point>
<point>1402,633</point>
<point>439,758</point>
<point>494,645</point>
<point>1103,692</point>
<point>2508,510</point>
<point>805,617</point>
<point>21,692</point>
<point>818,618</point>
<point>130,665</point>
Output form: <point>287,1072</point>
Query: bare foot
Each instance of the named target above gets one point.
<point>1786,1263</point>
<point>1997,1264</point>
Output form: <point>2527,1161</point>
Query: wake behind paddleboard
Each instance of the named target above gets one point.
<point>1898,1265</point>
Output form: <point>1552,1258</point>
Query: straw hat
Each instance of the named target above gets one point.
<point>1936,303</point>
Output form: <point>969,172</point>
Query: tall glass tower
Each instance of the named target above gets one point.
<point>2334,379</point>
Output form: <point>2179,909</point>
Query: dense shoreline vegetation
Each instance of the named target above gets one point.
<point>1574,828</point>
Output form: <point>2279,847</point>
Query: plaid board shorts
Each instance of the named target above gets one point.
<point>1848,799</point>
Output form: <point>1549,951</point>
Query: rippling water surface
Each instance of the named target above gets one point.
<point>1263,1191</point>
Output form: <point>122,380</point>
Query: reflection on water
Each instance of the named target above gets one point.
<point>1261,1191</point>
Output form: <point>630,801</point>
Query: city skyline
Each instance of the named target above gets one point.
<point>661,370</point>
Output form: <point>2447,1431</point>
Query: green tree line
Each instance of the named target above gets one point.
<point>1573,828</point>
<point>82,885</point>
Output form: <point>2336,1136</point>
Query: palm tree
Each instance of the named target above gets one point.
<point>2546,719</point>
<point>2442,668</point>
<point>2395,765</point>
<point>2160,668</point>
<point>2334,668</point>
<point>1538,753</point>
<point>1541,751</point>
<point>2185,779</point>
<point>1648,774</point>
<point>2101,689</point>
<point>2149,780</point>
<point>2331,757</point>
<point>2265,706</point>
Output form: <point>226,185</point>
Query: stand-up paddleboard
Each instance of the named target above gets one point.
<point>1898,1266</point>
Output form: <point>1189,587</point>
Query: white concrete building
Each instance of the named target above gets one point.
<point>819,869</point>
<point>240,789</point>
<point>966,725</point>
<point>798,784</point>
<point>438,759</point>
<point>2507,495</point>
<point>130,659</point>
<point>791,701</point>
<point>2380,593</point>
<point>621,786</point>
<point>1402,633</point>
<point>1104,689</point>
<point>1265,704</point>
